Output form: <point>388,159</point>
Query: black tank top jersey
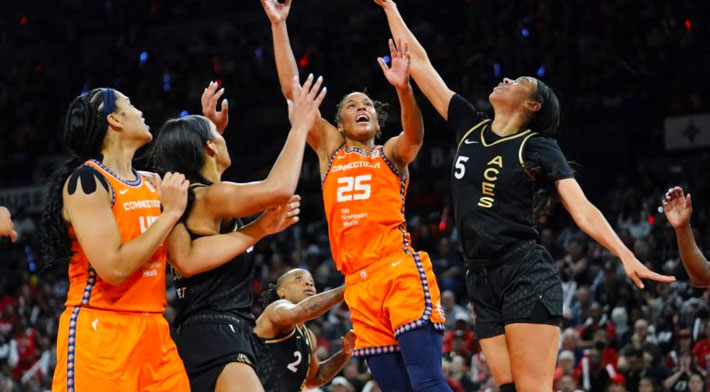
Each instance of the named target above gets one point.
<point>227,288</point>
<point>492,189</point>
<point>282,363</point>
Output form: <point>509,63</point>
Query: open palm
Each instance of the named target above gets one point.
<point>398,73</point>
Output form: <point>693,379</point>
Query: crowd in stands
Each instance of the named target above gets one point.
<point>618,67</point>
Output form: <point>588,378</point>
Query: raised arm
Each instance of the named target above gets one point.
<point>320,373</point>
<point>285,313</point>
<point>404,147</point>
<point>190,257</point>
<point>227,199</point>
<point>87,206</point>
<point>421,69</point>
<point>324,137</point>
<point>592,222</point>
<point>678,209</point>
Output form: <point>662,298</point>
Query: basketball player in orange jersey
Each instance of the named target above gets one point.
<point>105,219</point>
<point>7,228</point>
<point>390,288</point>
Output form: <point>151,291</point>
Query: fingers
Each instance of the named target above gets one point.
<point>307,85</point>
<point>637,281</point>
<point>13,236</point>
<point>383,65</point>
<point>321,96</point>
<point>316,87</point>
<point>287,4</point>
<point>215,99</point>
<point>689,201</point>
<point>393,49</point>
<point>658,277</point>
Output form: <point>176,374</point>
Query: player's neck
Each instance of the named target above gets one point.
<point>506,124</point>
<point>210,172</point>
<point>119,161</point>
<point>362,146</point>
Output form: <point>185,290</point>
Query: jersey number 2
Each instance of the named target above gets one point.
<point>293,366</point>
<point>354,188</point>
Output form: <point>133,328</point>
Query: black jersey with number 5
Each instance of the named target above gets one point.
<point>282,363</point>
<point>492,187</point>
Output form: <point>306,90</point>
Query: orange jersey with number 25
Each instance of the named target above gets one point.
<point>364,195</point>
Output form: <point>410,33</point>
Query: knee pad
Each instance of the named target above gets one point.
<point>509,387</point>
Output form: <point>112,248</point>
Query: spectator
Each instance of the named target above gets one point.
<point>680,379</point>
<point>452,311</point>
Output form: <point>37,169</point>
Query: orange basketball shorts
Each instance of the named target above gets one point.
<point>101,350</point>
<point>389,298</point>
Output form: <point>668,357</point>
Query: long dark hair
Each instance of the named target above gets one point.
<point>546,122</point>
<point>180,147</point>
<point>85,128</point>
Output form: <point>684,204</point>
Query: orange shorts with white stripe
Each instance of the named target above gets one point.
<point>100,350</point>
<point>389,298</point>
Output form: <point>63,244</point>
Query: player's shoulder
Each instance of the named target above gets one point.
<point>87,180</point>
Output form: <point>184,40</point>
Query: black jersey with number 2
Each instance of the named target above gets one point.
<point>492,187</point>
<point>282,363</point>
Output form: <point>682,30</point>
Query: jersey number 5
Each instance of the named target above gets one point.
<point>293,366</point>
<point>460,168</point>
<point>354,188</point>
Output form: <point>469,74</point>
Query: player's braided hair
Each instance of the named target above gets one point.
<point>85,128</point>
<point>271,295</point>
<point>380,108</point>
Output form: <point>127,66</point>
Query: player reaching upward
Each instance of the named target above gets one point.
<point>390,288</point>
<point>209,249</point>
<point>506,171</point>
<point>678,207</point>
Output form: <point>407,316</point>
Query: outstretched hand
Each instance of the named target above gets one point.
<point>678,207</point>
<point>209,100</point>
<point>398,73</point>
<point>277,12</point>
<point>635,270</point>
<point>279,218</point>
<point>303,105</point>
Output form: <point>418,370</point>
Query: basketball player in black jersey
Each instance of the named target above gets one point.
<point>285,346</point>
<point>678,207</point>
<point>7,228</point>
<point>210,250</point>
<point>502,170</point>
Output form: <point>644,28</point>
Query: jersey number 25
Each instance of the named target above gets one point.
<point>354,188</point>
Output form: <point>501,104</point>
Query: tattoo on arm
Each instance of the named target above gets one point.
<point>86,175</point>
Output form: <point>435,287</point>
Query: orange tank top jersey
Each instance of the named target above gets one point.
<point>364,198</point>
<point>135,206</point>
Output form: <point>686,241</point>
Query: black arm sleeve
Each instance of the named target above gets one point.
<point>545,154</point>
<point>463,116</point>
